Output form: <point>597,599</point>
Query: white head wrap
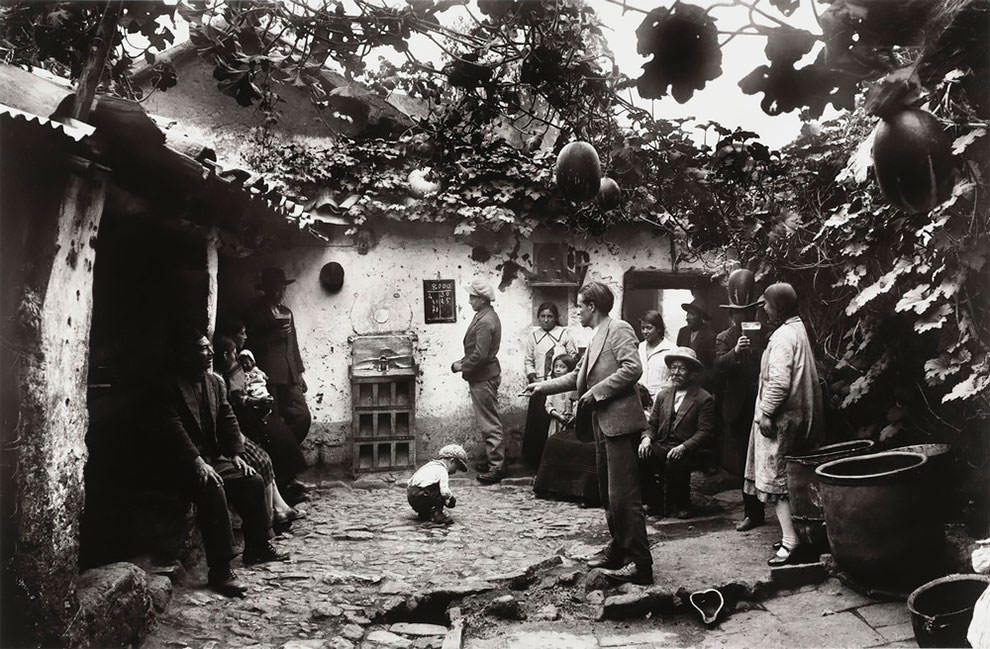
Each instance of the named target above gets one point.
<point>482,288</point>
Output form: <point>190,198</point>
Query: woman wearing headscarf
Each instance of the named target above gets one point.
<point>789,411</point>
<point>544,343</point>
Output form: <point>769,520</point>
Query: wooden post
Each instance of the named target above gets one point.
<point>212,289</point>
<point>96,59</point>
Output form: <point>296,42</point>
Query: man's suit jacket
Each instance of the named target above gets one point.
<point>609,370</point>
<point>738,376</point>
<point>703,345</point>
<point>691,425</point>
<point>184,431</point>
<point>481,344</point>
<point>275,350</point>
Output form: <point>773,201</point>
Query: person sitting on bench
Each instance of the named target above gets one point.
<point>680,425</point>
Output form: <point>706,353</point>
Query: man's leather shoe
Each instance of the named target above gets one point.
<point>224,581</point>
<point>630,573</point>
<point>491,477</point>
<point>605,562</point>
<point>748,523</point>
<point>263,554</point>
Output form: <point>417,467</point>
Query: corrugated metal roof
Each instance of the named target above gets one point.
<point>75,130</point>
<point>254,185</point>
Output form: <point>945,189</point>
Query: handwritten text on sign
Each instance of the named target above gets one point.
<point>439,303</point>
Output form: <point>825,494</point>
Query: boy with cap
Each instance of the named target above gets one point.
<point>428,490</point>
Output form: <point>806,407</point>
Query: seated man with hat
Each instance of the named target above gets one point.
<point>680,427</point>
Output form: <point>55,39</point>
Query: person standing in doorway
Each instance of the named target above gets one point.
<point>271,335</point>
<point>652,350</point>
<point>698,334</point>
<point>737,369</point>
<point>480,368</point>
<point>605,380</point>
<point>788,413</point>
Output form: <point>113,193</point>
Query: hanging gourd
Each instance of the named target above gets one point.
<point>579,171</point>
<point>912,158</point>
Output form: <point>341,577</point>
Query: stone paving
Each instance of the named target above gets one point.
<point>509,573</point>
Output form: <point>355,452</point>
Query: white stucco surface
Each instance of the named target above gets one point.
<point>388,282</point>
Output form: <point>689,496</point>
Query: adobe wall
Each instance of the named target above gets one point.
<point>390,278</point>
<point>48,263</point>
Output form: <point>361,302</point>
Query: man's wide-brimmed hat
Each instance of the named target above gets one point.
<point>685,354</point>
<point>741,287</point>
<point>695,306</point>
<point>273,277</point>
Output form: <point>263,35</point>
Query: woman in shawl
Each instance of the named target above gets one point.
<point>544,343</point>
<point>788,417</point>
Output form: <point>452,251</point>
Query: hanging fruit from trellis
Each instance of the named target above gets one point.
<point>579,172</point>
<point>609,194</point>
<point>912,159</point>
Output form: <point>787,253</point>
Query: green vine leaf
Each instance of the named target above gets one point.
<point>934,320</point>
<point>880,287</point>
<point>975,384</point>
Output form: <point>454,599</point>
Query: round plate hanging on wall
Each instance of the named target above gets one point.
<point>332,277</point>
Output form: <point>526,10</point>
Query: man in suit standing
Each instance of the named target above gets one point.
<point>680,427</point>
<point>605,380</point>
<point>271,336</point>
<point>202,448</point>
<point>480,368</point>
<point>737,367</point>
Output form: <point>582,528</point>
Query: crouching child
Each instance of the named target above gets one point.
<point>428,489</point>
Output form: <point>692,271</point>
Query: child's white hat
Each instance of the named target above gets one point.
<point>456,453</point>
<point>246,353</point>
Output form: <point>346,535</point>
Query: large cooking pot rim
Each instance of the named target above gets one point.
<point>823,471</point>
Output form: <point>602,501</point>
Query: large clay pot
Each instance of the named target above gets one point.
<point>884,528</point>
<point>939,460</point>
<point>802,489</point>
<point>942,609</point>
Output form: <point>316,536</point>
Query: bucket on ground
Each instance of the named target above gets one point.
<point>942,609</point>
<point>802,489</point>
<point>883,526</point>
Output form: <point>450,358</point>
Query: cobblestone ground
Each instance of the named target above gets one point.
<point>509,573</point>
<point>361,549</point>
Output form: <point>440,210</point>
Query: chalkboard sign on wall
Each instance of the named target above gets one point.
<point>439,303</point>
